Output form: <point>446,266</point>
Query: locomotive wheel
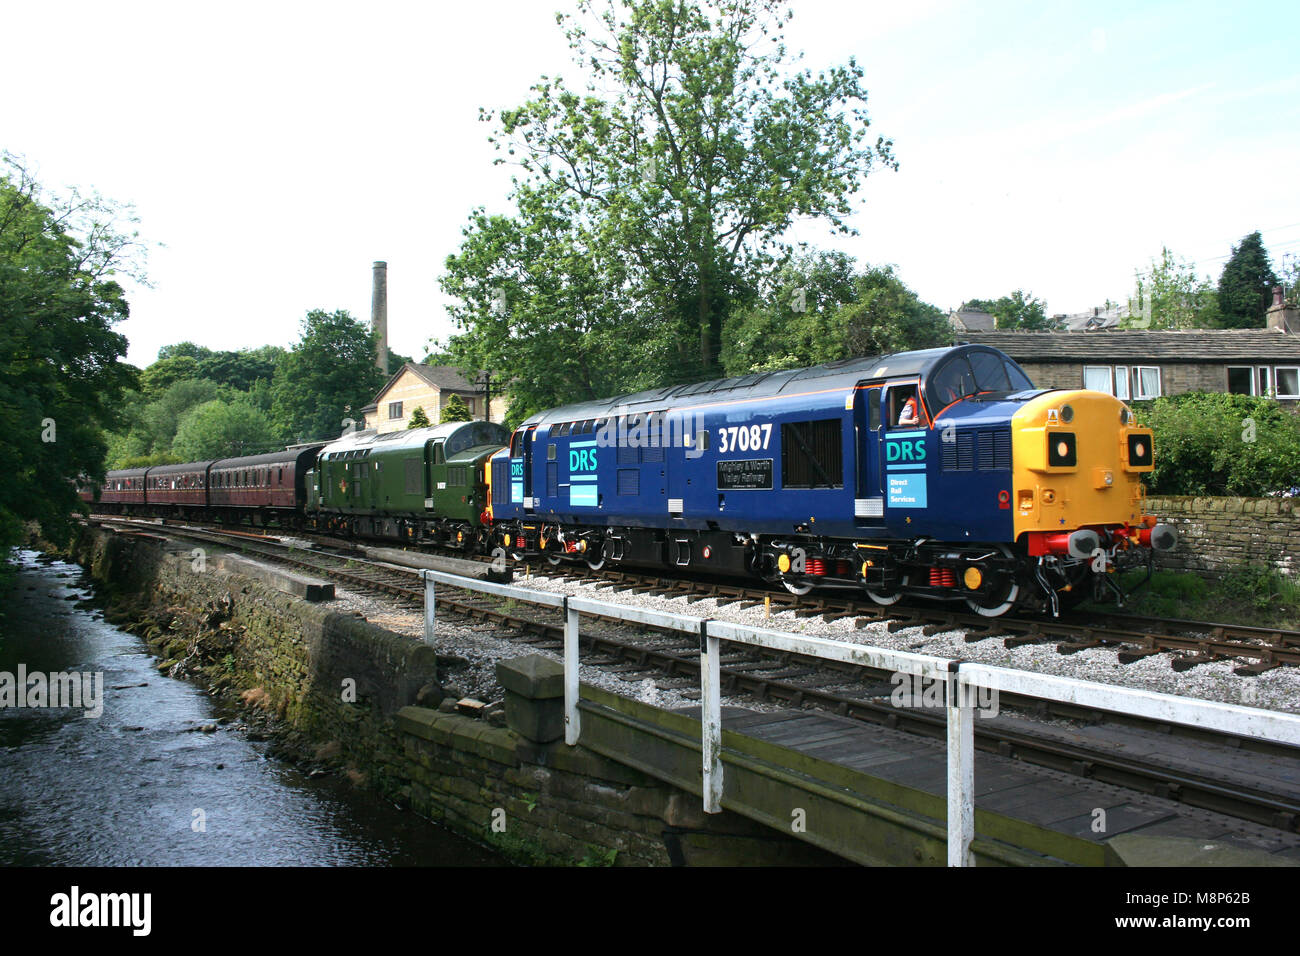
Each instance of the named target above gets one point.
<point>553,558</point>
<point>596,561</point>
<point>1004,597</point>
<point>799,589</point>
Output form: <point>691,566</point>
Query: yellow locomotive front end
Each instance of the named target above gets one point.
<point>1078,496</point>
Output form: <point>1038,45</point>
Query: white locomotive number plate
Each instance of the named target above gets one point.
<point>744,438</point>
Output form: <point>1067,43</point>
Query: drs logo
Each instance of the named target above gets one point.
<point>907,449</point>
<point>582,459</point>
<point>516,469</point>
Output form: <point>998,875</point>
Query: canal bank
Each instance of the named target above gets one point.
<point>162,773</point>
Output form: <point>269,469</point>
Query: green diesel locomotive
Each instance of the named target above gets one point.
<point>423,484</point>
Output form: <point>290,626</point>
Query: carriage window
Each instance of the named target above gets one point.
<point>873,408</point>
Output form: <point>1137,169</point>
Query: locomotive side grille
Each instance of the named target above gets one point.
<point>985,450</point>
<point>414,476</point>
<point>626,455</point>
<point>629,481</point>
<point>1002,450</point>
<point>500,481</point>
<point>965,451</point>
<point>812,455</point>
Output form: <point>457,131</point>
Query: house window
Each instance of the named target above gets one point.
<point>1121,382</point>
<point>469,403</point>
<point>1265,379</point>
<point>394,410</point>
<point>1241,380</point>
<point>1147,380</point>
<point>1288,382</point>
<point>1097,378</point>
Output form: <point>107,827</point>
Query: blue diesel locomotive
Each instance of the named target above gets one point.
<point>941,473</point>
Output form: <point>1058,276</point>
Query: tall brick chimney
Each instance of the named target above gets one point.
<point>379,315</point>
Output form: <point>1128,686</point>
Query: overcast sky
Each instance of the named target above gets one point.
<point>277,149</point>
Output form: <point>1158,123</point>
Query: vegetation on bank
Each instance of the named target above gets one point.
<point>1249,594</point>
<point>1210,443</point>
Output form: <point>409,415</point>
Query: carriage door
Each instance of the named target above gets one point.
<point>868,499</point>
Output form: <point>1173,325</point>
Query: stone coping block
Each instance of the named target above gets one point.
<point>299,585</point>
<point>534,676</point>
<point>1134,849</point>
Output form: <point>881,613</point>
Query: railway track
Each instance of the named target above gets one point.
<point>860,693</point>
<point>1187,643</point>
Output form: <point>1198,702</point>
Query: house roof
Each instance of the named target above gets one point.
<point>445,378</point>
<point>1187,345</point>
<point>971,320</point>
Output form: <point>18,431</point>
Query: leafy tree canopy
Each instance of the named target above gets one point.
<point>1170,295</point>
<point>1246,285</point>
<point>61,378</point>
<point>328,376</point>
<point>821,308</point>
<point>656,200</point>
<point>1018,311</point>
<point>223,429</point>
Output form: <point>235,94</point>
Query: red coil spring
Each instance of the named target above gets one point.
<point>519,541</point>
<point>816,566</point>
<point>943,578</point>
<point>842,569</point>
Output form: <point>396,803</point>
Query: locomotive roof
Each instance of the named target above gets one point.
<point>270,458</point>
<point>842,373</point>
<point>476,432</point>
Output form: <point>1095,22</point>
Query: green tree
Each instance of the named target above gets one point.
<point>220,429</point>
<point>188,349</point>
<point>1018,312</point>
<point>420,420</point>
<point>821,308</point>
<point>241,370</point>
<point>656,200</point>
<point>61,378</point>
<point>328,376</point>
<point>454,411</point>
<point>1170,295</point>
<point>1246,285</point>
<point>166,372</point>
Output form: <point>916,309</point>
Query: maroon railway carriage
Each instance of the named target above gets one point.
<point>177,491</point>
<point>122,491</point>
<point>261,487</point>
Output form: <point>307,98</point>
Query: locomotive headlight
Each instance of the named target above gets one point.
<point>1067,413</point>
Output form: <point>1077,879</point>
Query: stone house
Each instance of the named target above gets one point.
<point>429,387</point>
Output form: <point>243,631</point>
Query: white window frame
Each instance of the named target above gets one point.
<point>1110,375</point>
<point>391,407</point>
<point>1140,395</point>
<point>1265,380</point>
<point>1253,378</point>
<point>1285,368</point>
<point>1121,373</point>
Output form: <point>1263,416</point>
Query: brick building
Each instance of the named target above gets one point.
<point>429,387</point>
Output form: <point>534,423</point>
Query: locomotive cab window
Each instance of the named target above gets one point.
<point>904,407</point>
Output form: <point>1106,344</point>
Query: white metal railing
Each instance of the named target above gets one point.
<point>961,679</point>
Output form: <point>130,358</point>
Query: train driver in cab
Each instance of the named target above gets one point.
<point>905,402</point>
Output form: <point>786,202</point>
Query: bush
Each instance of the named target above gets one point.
<point>1219,444</point>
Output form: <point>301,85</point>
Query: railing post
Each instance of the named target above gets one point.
<point>429,609</point>
<point>711,719</point>
<point>961,769</point>
<point>572,726</point>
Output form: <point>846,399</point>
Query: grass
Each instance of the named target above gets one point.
<point>1252,595</point>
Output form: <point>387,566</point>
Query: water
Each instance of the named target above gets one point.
<point>123,789</point>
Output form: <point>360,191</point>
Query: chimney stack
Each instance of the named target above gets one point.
<point>379,315</point>
<point>1281,317</point>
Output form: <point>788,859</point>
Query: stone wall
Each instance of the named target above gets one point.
<point>1219,534</point>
